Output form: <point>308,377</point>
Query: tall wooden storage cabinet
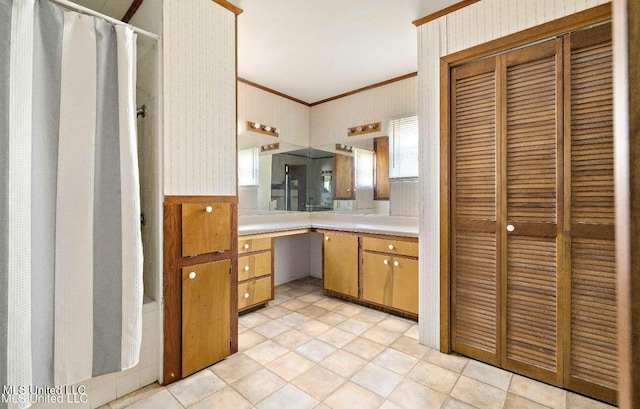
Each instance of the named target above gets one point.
<point>532,212</point>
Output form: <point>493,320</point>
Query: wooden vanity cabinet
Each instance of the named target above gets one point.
<point>375,270</point>
<point>255,272</point>
<point>340,263</point>
<point>200,260</point>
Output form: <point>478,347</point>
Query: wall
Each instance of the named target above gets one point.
<point>257,105</point>
<point>473,25</point>
<point>288,264</point>
<point>330,120</point>
<point>409,191</point>
<point>199,98</point>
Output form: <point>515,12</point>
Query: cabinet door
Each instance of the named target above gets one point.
<point>340,263</point>
<point>343,168</point>
<point>205,315</point>
<point>206,228</point>
<point>377,278</point>
<point>405,284</point>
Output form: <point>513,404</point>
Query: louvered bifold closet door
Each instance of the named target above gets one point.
<point>591,363</point>
<point>475,300</point>
<point>532,180</point>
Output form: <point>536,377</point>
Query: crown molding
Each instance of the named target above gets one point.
<point>443,12</point>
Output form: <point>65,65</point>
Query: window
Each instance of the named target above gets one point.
<point>248,167</point>
<point>364,168</point>
<point>403,147</point>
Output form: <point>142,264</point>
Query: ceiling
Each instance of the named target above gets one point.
<point>316,49</point>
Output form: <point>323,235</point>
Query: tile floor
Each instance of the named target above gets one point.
<point>307,350</point>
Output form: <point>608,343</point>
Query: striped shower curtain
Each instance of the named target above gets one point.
<point>70,242</point>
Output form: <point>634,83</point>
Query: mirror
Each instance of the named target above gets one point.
<point>295,178</point>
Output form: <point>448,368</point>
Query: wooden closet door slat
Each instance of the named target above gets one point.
<point>591,364</point>
<point>475,327</point>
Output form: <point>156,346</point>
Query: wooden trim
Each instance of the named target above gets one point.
<point>367,88</point>
<point>272,91</point>
<point>562,25</point>
<point>274,234</point>
<point>626,53</point>
<point>443,12</point>
<point>135,5</point>
<point>231,7</point>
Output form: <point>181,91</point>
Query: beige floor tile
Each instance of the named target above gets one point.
<point>397,361</point>
<point>364,348</point>
<point>196,387</point>
<point>343,363</point>
<point>575,401</point>
<point>337,337</point>
<point>282,288</point>
<point>478,394</point>
<point>310,298</point>
<point>453,403</point>
<point>242,328</point>
<point>249,339</point>
<point>348,309</point>
<point>312,311</point>
<point>370,316</point>
<point>258,385</point>
<point>329,303</point>
<point>266,352</point>
<point>274,312</point>
<point>315,350</point>
<point>319,382</point>
<point>136,396</point>
<point>409,346</point>
<point>380,335</point>
<point>539,392</point>
<point>516,402</point>
<point>313,327</point>
<point>332,318</point>
<point>452,362</point>
<point>411,395</point>
<point>293,319</point>
<point>413,332</point>
<point>294,305</point>
<point>389,405</point>
<point>396,324</point>
<point>225,398</point>
<point>252,319</point>
<point>354,326</point>
<point>235,367</point>
<point>284,398</point>
<point>433,376</point>
<point>270,329</point>
<point>162,399</point>
<point>279,298</point>
<point>488,374</point>
<point>351,395</point>
<point>377,379</point>
<point>291,338</point>
<point>289,366</point>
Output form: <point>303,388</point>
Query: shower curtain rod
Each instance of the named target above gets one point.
<point>85,10</point>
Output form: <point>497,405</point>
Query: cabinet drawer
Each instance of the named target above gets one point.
<point>254,292</point>
<point>391,246</point>
<point>251,245</point>
<point>206,228</point>
<point>255,265</point>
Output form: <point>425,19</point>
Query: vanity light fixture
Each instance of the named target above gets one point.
<point>363,129</point>
<point>270,147</point>
<point>344,148</point>
<point>265,129</point>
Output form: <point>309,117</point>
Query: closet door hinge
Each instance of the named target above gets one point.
<point>230,269</point>
<point>230,341</point>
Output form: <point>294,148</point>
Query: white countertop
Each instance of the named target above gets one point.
<point>370,223</point>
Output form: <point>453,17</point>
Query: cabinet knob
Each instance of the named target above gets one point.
<point>511,227</point>
<point>348,190</point>
<point>208,209</point>
<point>246,295</point>
<point>386,261</point>
<point>192,275</point>
<point>326,238</point>
<point>246,268</point>
<point>395,263</point>
<point>390,246</point>
<point>246,246</point>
